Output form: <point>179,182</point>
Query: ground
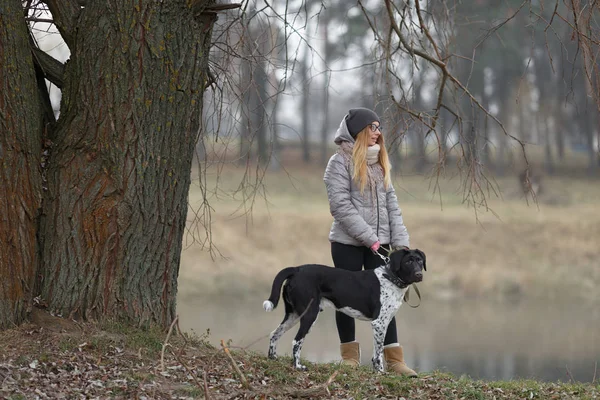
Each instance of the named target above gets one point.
<point>54,358</point>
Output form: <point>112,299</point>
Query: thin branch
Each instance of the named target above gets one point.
<point>426,30</point>
<point>315,392</point>
<point>53,69</point>
<point>206,393</point>
<point>237,370</point>
<point>412,51</point>
<point>34,19</point>
<point>569,374</point>
<point>200,8</point>
<point>166,344</point>
<point>191,373</point>
<point>65,14</point>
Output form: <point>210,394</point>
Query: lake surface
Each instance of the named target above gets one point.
<point>546,341</point>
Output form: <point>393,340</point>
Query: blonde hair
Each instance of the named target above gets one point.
<point>359,159</point>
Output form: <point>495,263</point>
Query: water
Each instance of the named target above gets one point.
<point>545,341</point>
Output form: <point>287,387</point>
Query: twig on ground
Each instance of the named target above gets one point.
<point>206,396</point>
<point>166,343</point>
<point>185,342</point>
<point>317,391</point>
<point>191,373</point>
<point>595,370</point>
<point>569,374</point>
<point>237,370</point>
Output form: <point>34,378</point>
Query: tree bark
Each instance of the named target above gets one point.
<point>120,170</point>
<point>20,174</point>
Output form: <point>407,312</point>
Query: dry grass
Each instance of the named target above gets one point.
<point>515,248</point>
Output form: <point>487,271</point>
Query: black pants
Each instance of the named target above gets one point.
<point>353,258</point>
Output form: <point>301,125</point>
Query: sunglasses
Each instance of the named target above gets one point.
<point>375,127</point>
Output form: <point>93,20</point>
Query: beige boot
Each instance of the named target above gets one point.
<point>350,354</point>
<point>395,362</point>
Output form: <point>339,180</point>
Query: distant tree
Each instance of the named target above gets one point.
<point>263,55</point>
<point>307,123</point>
<point>336,15</point>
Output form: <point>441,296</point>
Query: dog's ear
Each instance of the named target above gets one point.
<point>398,254</point>
<point>423,257</point>
<point>402,251</point>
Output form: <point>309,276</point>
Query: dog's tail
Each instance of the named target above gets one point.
<point>282,276</point>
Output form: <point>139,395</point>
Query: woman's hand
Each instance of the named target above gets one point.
<point>375,246</point>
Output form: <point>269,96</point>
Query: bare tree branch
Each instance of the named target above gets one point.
<point>65,14</point>
<point>53,69</point>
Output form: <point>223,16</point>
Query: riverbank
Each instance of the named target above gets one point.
<point>525,339</point>
<point>55,358</point>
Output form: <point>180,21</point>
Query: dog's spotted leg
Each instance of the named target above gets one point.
<point>296,349</point>
<point>379,328</point>
<point>288,322</point>
<point>306,323</point>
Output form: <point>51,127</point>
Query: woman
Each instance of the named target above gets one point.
<point>366,216</point>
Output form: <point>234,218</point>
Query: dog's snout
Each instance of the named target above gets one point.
<point>419,275</point>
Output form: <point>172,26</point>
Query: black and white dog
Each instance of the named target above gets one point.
<point>372,295</point>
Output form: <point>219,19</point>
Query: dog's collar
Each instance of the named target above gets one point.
<point>387,273</point>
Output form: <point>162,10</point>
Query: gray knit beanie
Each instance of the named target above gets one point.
<point>358,118</point>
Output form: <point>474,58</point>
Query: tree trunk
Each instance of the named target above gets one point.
<point>445,126</point>
<point>548,157</point>
<point>304,106</point>
<point>274,94</point>
<point>471,148</point>
<point>503,154</point>
<point>20,177</point>
<point>419,129</point>
<point>260,118</point>
<point>562,116</point>
<point>120,171</point>
<point>246,104</point>
<point>590,117</point>
<point>327,78</point>
<point>274,161</point>
<point>483,118</point>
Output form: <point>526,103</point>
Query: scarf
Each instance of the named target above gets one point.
<point>373,154</point>
<point>374,169</point>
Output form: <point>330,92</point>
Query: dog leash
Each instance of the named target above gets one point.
<point>418,295</point>
<point>386,260</point>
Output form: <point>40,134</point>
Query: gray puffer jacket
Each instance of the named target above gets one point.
<point>361,219</point>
